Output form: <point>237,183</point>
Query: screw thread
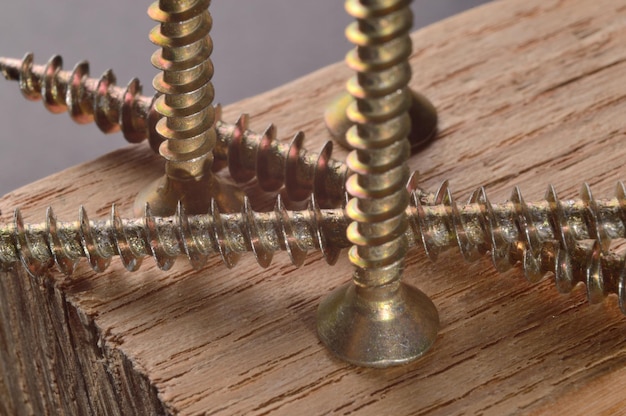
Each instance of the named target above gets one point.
<point>246,153</point>
<point>569,238</point>
<point>274,164</point>
<point>558,236</point>
<point>85,99</point>
<point>166,238</point>
<point>379,111</point>
<point>187,123</point>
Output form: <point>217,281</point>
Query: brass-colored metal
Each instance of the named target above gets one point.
<point>422,113</point>
<point>86,99</point>
<point>188,117</point>
<point>246,153</point>
<point>275,164</point>
<point>568,238</point>
<point>377,320</point>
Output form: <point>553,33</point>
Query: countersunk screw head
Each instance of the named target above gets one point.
<point>378,327</point>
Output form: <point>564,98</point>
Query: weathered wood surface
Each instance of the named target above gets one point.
<point>529,92</point>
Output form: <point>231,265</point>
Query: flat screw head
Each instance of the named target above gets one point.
<point>378,327</point>
<point>196,195</point>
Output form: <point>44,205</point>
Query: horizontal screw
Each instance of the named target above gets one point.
<point>569,238</point>
<point>276,164</point>
<point>246,153</point>
<point>86,99</point>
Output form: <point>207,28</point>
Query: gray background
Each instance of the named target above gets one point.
<point>258,45</point>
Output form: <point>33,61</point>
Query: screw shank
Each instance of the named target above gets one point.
<point>529,233</point>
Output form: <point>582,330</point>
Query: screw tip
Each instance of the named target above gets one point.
<point>10,68</point>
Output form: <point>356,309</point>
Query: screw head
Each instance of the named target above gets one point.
<point>378,327</point>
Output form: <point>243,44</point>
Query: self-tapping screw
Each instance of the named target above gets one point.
<point>377,320</point>
<point>247,154</point>
<point>569,239</point>
<point>187,115</point>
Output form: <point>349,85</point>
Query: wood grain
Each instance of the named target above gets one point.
<point>529,92</point>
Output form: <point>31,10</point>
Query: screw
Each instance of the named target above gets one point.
<point>246,153</point>
<point>187,123</point>
<point>552,235</point>
<point>377,320</point>
<point>87,99</point>
<point>339,116</point>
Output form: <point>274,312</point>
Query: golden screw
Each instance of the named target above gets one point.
<point>246,153</point>
<point>86,99</point>
<point>188,119</point>
<point>423,114</point>
<point>338,116</point>
<point>568,238</point>
<point>378,320</point>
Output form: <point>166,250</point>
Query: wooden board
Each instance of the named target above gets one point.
<point>529,92</point>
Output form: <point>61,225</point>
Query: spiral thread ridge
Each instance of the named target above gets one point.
<point>569,238</point>
<point>246,153</point>
<point>86,99</point>
<point>275,165</point>
<point>39,246</point>
<point>379,137</point>
<point>552,235</point>
<point>184,84</point>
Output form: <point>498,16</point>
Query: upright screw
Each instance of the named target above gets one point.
<point>378,321</point>
<point>338,117</point>
<point>422,112</point>
<point>188,119</point>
